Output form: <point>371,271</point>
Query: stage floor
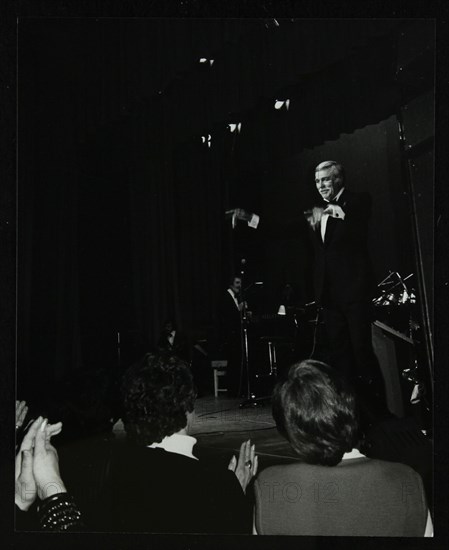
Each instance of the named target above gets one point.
<point>221,425</point>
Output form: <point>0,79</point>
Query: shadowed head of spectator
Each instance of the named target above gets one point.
<point>315,411</point>
<point>158,398</point>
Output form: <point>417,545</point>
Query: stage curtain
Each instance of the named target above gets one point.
<point>120,204</point>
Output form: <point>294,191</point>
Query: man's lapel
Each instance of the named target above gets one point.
<point>332,223</point>
<point>330,228</point>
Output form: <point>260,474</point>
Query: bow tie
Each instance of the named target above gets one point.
<point>324,204</point>
<point>333,201</point>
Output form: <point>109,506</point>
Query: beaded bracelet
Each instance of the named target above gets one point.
<point>59,513</point>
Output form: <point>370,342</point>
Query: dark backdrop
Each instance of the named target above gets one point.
<point>121,203</point>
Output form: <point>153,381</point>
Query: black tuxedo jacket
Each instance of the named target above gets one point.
<point>229,319</point>
<point>342,267</point>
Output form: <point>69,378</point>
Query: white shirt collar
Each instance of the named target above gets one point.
<point>233,296</point>
<point>177,443</point>
<point>355,453</point>
<point>337,196</point>
<point>231,292</point>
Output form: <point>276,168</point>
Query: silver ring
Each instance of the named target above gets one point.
<point>248,463</point>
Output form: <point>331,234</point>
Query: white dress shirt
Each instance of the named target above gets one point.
<point>332,210</point>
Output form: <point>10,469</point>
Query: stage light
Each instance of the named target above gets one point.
<point>235,127</point>
<point>281,310</point>
<point>280,103</point>
<point>204,61</point>
<point>271,23</point>
<point>206,139</point>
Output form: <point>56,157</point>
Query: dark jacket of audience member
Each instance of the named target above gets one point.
<point>157,484</point>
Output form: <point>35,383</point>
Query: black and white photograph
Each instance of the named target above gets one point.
<point>225,238</point>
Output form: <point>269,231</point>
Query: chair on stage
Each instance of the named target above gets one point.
<point>219,367</point>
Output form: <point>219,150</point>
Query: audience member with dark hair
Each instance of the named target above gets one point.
<point>333,489</point>
<point>157,484</point>
<point>314,409</point>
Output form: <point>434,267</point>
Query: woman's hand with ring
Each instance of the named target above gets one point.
<point>245,468</point>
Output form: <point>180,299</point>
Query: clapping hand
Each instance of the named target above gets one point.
<point>25,485</point>
<point>21,412</point>
<point>46,464</point>
<point>37,469</point>
<point>245,468</point>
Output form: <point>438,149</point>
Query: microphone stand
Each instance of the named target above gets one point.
<point>251,399</point>
<point>244,365</point>
<point>244,334</point>
<point>250,396</point>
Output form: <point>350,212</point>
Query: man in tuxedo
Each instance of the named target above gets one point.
<point>343,280</point>
<point>231,333</point>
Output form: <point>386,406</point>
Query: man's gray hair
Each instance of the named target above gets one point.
<point>338,168</point>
